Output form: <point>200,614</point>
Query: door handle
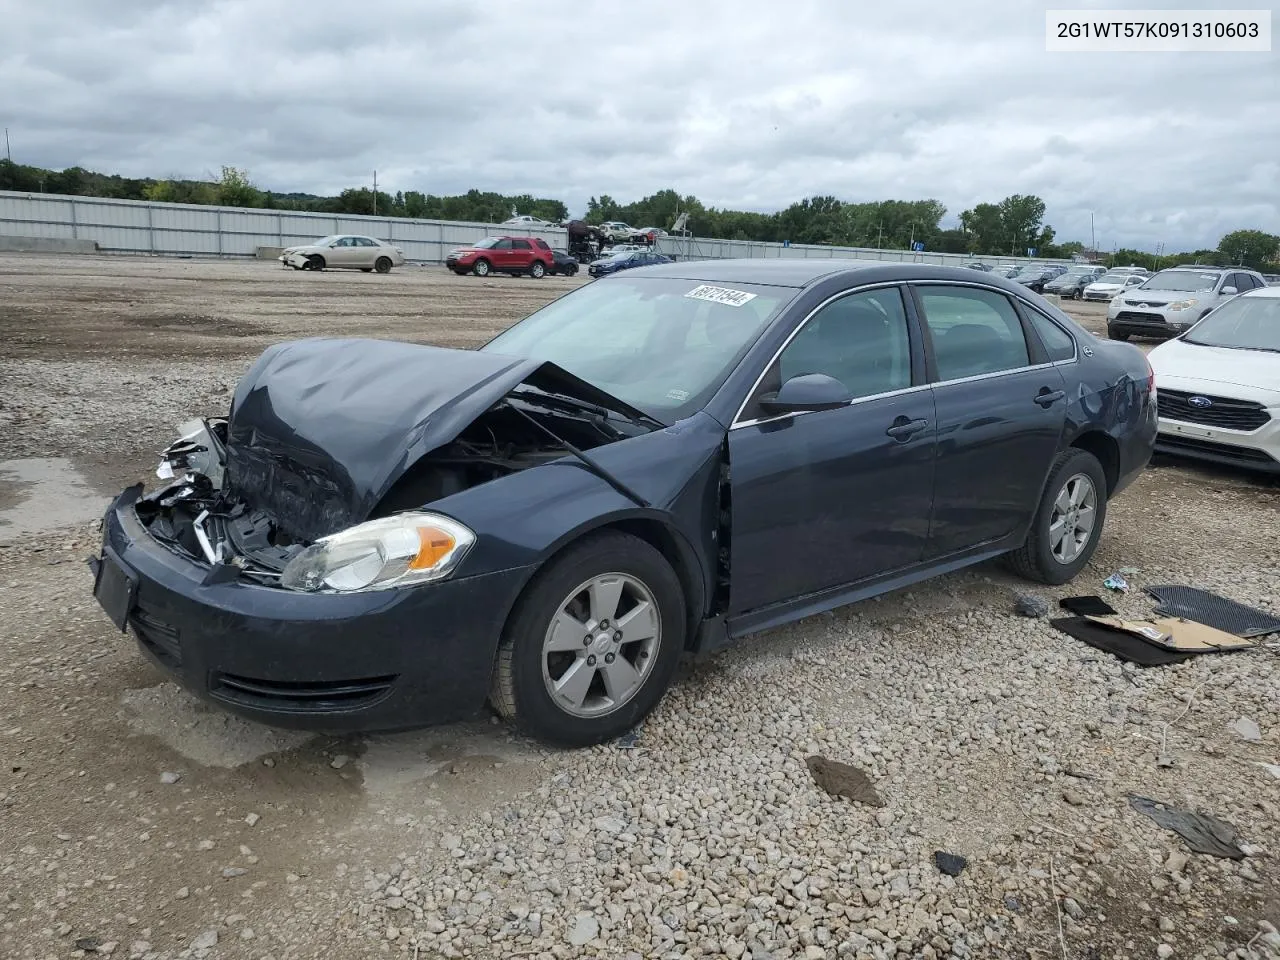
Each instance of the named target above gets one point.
<point>1047,398</point>
<point>904,429</point>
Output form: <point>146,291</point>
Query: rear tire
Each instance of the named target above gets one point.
<point>382,265</point>
<point>315,262</point>
<point>538,270</point>
<point>1057,546</point>
<point>562,663</point>
<point>481,268</point>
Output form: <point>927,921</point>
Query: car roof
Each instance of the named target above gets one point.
<point>802,272</point>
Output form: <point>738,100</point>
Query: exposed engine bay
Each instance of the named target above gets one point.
<point>247,529</point>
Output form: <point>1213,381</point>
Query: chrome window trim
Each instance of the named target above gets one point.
<point>906,390</point>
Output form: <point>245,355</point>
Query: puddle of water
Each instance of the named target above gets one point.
<point>39,495</point>
<point>202,733</point>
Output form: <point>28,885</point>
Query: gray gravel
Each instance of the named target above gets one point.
<point>138,819</point>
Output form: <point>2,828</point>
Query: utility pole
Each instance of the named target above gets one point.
<point>1093,237</point>
<point>7,155</point>
<point>375,193</point>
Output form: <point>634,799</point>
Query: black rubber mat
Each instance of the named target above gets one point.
<point>1087,606</point>
<point>1213,610</point>
<point>1118,643</point>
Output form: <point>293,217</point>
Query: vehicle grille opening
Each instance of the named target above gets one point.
<point>1221,411</point>
<point>1189,445</point>
<point>308,696</point>
<point>157,637</point>
<point>1137,316</point>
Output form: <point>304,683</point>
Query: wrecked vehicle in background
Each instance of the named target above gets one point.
<point>382,535</point>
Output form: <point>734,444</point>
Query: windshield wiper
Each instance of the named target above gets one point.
<point>574,405</point>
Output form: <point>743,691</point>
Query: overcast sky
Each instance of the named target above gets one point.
<point>746,104</point>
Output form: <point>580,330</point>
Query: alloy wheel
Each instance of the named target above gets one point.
<point>1074,514</point>
<point>601,645</point>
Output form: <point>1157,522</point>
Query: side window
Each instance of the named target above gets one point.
<point>974,331</point>
<point>520,244</point>
<point>1057,342</point>
<point>502,245</point>
<point>861,340</point>
<point>540,244</point>
<point>366,242</point>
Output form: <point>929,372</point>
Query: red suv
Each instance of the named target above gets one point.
<point>514,255</point>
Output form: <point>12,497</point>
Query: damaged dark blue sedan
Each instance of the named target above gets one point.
<point>381,535</point>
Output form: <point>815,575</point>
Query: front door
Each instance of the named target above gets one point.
<point>1000,416</point>
<point>828,497</point>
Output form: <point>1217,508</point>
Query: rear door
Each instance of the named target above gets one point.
<point>366,251</point>
<point>1001,409</point>
<point>521,254</point>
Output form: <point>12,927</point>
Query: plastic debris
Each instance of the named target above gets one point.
<point>1200,831</point>
<point>628,741</point>
<point>952,864</point>
<point>842,780</point>
<point>1029,605</point>
<point>1116,582</point>
<point>1271,768</point>
<point>1246,729</point>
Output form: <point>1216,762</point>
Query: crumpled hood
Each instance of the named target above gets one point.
<point>321,429</point>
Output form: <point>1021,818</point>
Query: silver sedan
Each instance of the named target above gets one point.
<point>347,251</point>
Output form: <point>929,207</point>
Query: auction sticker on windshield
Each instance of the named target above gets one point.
<point>730,298</point>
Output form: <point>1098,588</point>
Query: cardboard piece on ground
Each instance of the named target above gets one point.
<point>1175,633</point>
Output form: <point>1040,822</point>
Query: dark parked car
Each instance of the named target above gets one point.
<point>383,535</point>
<point>626,261</point>
<point>1035,278</point>
<point>528,256</point>
<point>564,264</point>
<point>1072,283</point>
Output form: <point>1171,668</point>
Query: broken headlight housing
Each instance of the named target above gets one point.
<point>396,551</point>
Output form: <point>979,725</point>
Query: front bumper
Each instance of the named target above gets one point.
<point>1149,322</point>
<point>1253,449</point>
<point>382,660</point>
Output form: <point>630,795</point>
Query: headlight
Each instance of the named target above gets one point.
<point>394,551</point>
<point>1183,304</point>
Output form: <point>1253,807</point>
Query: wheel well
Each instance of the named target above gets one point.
<point>1106,450</point>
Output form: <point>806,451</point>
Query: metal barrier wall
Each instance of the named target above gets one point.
<point>178,229</point>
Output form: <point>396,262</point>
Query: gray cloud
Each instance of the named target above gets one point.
<point>745,104</point>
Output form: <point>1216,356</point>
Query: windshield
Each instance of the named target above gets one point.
<point>325,241</point>
<point>1115,278</point>
<point>487,243</point>
<point>1180,280</point>
<point>1245,323</point>
<point>660,344</point>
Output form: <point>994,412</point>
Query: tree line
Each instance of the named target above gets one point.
<point>1009,227</point>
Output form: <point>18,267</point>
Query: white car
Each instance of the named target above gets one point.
<point>616,230</point>
<point>526,221</point>
<point>1218,385</point>
<point>1111,285</point>
<point>346,251</point>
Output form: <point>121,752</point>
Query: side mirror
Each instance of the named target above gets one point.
<point>809,392</point>
<point>1229,291</point>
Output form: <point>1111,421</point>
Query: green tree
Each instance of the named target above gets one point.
<point>1251,248</point>
<point>234,189</point>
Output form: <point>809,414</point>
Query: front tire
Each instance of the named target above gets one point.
<point>592,644</point>
<point>382,265</point>
<point>538,270</point>
<point>1068,522</point>
<point>481,268</point>
<point>315,262</point>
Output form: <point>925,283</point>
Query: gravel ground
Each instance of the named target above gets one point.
<point>139,823</point>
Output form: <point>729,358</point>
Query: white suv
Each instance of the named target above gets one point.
<point>1173,300</point>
